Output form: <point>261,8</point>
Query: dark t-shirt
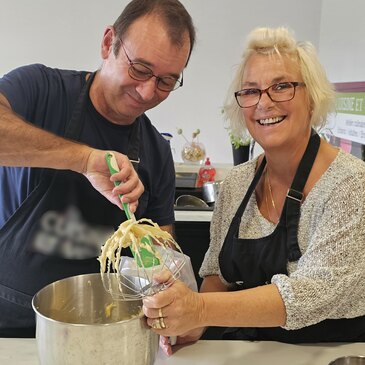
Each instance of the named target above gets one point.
<point>46,97</point>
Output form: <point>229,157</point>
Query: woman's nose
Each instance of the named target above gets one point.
<point>265,101</point>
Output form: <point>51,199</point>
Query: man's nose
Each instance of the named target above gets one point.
<point>147,89</point>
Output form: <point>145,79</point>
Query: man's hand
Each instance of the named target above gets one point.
<point>97,172</point>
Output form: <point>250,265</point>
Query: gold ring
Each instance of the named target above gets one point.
<point>156,324</point>
<point>160,312</point>
<point>162,323</point>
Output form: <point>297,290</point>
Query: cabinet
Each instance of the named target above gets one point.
<point>193,238</point>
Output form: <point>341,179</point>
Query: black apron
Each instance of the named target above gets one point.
<point>252,262</point>
<point>48,237</point>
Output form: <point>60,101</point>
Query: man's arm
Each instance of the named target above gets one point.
<point>23,144</point>
<point>169,228</point>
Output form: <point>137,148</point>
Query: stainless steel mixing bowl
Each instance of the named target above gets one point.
<point>78,322</point>
<point>349,360</point>
<point>190,201</point>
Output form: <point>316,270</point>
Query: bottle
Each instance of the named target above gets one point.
<point>206,173</point>
<point>168,137</point>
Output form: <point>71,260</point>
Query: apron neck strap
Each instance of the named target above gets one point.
<point>75,124</point>
<point>304,168</point>
<point>250,190</point>
<point>134,143</point>
<point>294,196</point>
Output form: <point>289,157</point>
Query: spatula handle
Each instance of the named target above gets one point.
<point>114,168</point>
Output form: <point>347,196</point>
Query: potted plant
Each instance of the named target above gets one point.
<point>240,147</point>
<point>240,140</point>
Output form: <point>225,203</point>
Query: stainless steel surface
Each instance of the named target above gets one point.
<point>190,201</point>
<point>185,179</point>
<point>210,191</point>
<point>78,322</point>
<point>349,360</point>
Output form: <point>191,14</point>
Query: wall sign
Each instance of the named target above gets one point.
<point>347,126</point>
<point>349,120</point>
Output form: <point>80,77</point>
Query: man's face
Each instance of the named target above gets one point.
<point>116,95</point>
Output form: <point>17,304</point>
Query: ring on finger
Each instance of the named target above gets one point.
<point>156,324</point>
<point>162,323</point>
<point>160,312</point>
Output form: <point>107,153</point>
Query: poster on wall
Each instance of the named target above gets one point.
<point>346,127</point>
<point>350,116</point>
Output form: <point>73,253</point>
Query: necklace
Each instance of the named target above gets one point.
<point>267,178</point>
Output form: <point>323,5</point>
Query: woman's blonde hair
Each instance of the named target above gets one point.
<point>279,41</point>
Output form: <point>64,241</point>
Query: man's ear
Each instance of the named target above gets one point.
<point>107,42</point>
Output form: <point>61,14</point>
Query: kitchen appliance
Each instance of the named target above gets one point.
<point>78,322</point>
<point>210,191</point>
<point>185,179</point>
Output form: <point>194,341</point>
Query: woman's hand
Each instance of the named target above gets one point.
<point>181,310</point>
<point>97,172</point>
<point>189,337</point>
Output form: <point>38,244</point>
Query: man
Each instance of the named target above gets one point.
<point>58,210</point>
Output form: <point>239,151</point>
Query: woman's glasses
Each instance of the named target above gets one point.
<point>282,91</point>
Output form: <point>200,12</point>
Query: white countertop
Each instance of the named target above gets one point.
<point>193,215</point>
<point>24,352</point>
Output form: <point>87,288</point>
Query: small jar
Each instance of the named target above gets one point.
<point>193,153</point>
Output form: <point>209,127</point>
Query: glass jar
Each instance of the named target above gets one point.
<point>193,153</point>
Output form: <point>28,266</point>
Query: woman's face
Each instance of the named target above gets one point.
<point>276,124</point>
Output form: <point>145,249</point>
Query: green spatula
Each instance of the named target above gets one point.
<point>147,258</point>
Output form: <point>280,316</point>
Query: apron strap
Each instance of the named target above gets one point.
<point>75,124</point>
<point>134,143</point>
<point>294,196</point>
<point>291,211</point>
<point>234,226</point>
<point>250,190</point>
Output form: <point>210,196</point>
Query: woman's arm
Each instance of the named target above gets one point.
<point>185,310</point>
<point>257,307</point>
<point>329,277</point>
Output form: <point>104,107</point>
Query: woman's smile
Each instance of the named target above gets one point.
<point>271,121</point>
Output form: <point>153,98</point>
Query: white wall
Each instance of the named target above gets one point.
<point>67,34</point>
<point>342,40</point>
<point>222,28</point>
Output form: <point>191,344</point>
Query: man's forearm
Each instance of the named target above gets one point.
<point>23,144</point>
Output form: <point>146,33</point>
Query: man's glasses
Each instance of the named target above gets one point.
<point>282,91</point>
<point>140,72</point>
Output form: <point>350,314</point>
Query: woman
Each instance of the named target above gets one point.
<point>287,252</point>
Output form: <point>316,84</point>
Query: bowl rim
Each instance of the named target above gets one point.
<point>39,314</point>
<point>194,198</point>
<point>333,362</point>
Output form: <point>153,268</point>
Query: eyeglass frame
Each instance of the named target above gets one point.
<point>179,82</point>
<point>295,84</point>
